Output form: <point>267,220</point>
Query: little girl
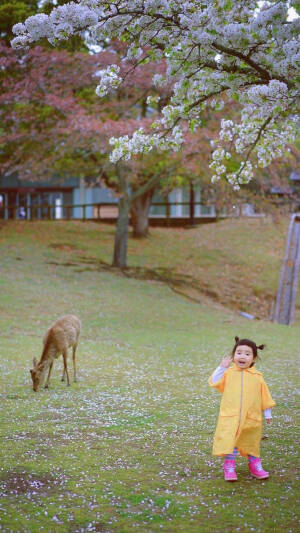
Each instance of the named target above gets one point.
<point>245,396</point>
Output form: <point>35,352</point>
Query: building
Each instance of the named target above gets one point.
<point>72,199</point>
<point>52,199</point>
<point>295,185</point>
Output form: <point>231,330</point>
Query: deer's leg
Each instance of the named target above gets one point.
<point>48,378</point>
<point>64,373</point>
<point>65,355</point>
<point>74,361</point>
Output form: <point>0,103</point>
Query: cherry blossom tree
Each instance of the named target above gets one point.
<point>246,51</point>
<point>54,123</point>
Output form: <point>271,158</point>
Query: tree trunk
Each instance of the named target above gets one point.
<point>125,203</point>
<point>140,214</point>
<point>121,235</point>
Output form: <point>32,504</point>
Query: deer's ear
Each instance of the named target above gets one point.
<point>34,361</point>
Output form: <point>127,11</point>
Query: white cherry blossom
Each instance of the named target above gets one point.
<point>246,50</point>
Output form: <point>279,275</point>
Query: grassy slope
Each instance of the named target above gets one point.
<point>236,262</point>
<point>128,447</point>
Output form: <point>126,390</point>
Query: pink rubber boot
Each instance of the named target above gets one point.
<point>229,470</point>
<point>257,470</point>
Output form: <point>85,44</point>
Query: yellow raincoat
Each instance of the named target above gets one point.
<point>245,396</point>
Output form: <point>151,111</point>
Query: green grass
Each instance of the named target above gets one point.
<point>128,447</point>
<point>235,262</point>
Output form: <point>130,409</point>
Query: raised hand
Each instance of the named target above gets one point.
<point>226,362</point>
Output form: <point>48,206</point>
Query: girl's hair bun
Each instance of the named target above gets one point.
<point>261,347</point>
<point>236,339</point>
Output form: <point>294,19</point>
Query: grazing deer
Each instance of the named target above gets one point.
<point>59,337</point>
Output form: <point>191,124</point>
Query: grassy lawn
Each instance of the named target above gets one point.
<point>128,447</point>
